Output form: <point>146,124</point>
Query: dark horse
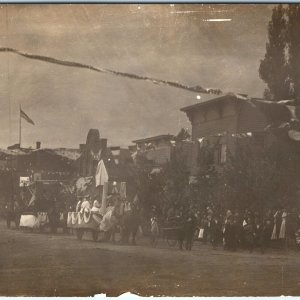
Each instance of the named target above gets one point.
<point>131,223</point>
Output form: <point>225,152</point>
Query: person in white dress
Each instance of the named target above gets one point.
<point>282,233</point>
<point>96,206</point>
<point>85,205</point>
<point>78,205</point>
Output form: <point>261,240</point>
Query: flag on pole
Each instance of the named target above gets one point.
<point>24,116</point>
<point>101,175</point>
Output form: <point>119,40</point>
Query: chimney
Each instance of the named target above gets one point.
<point>38,145</point>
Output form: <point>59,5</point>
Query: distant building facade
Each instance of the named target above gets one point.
<point>220,122</point>
<point>20,164</point>
<point>224,113</point>
<point>157,149</point>
<point>44,163</point>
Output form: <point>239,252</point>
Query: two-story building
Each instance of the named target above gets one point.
<point>219,122</point>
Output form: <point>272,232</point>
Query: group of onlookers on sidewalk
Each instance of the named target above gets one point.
<point>233,229</point>
<point>239,229</point>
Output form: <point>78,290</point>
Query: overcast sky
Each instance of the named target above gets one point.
<point>170,42</point>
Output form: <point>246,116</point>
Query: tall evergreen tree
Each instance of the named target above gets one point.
<point>273,68</point>
<point>293,38</point>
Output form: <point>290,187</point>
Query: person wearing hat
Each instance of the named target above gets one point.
<point>230,233</point>
<point>189,229</point>
<point>215,231</point>
<point>249,230</point>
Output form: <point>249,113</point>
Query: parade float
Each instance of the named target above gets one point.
<point>46,203</point>
<point>97,217</point>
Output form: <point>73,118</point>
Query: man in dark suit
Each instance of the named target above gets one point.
<point>189,230</point>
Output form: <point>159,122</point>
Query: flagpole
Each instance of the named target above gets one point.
<point>20,126</point>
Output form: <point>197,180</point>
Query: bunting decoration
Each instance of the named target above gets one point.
<point>73,64</point>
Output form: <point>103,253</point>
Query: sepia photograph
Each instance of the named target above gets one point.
<point>151,149</point>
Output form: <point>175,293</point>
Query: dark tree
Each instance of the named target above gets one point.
<point>273,68</point>
<point>293,38</point>
<point>262,180</point>
<point>177,180</point>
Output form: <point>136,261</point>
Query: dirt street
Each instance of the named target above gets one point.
<point>59,265</point>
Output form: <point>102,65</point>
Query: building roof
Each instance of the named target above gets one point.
<point>71,154</point>
<point>208,99</point>
<point>155,138</point>
<point>13,152</point>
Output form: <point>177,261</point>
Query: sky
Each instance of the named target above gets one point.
<point>169,42</point>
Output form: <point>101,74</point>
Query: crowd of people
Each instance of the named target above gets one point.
<point>235,229</point>
<point>229,229</point>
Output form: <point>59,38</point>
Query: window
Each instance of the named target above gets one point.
<point>220,154</point>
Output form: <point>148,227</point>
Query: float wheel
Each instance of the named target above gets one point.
<point>79,233</point>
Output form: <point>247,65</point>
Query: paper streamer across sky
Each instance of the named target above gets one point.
<point>73,64</point>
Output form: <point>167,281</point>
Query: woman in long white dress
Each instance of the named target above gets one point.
<point>282,233</point>
<point>85,205</point>
<point>277,225</point>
